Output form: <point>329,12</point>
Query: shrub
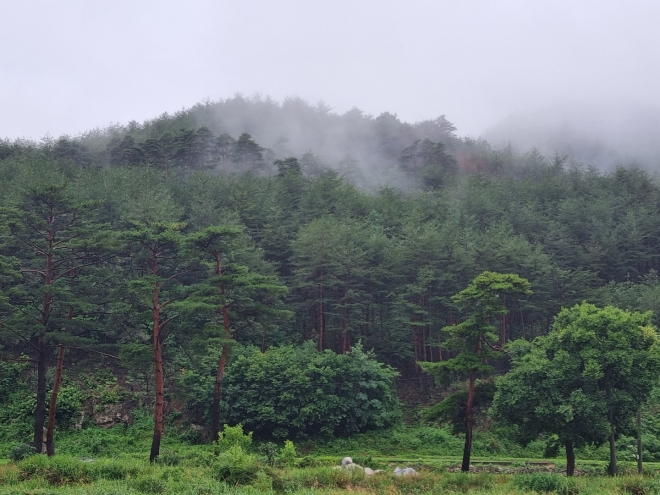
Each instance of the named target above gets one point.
<point>149,484</point>
<point>269,451</point>
<point>546,483</point>
<point>64,469</point>
<point>21,451</point>
<point>288,453</point>
<point>56,470</point>
<point>236,467</point>
<point>169,459</point>
<point>233,435</point>
<point>318,478</point>
<point>464,482</point>
<point>640,486</point>
<point>310,392</point>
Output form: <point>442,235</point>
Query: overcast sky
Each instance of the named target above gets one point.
<point>70,65</point>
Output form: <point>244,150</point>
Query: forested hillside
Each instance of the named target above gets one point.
<point>249,223</point>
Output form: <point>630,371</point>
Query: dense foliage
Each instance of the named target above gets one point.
<point>287,392</point>
<point>192,239</point>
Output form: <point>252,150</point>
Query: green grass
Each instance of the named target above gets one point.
<point>67,475</point>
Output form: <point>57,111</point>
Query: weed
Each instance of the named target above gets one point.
<point>21,451</point>
<point>149,484</point>
<point>546,483</point>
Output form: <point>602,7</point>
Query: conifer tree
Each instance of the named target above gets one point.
<point>482,299</point>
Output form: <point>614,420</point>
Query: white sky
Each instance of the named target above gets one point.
<point>70,65</point>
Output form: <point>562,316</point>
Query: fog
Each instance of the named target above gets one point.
<point>604,134</point>
<point>540,72</point>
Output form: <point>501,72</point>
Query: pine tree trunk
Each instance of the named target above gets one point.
<point>321,317</point>
<point>158,362</point>
<point>217,392</point>
<point>40,410</point>
<point>640,465</point>
<point>50,429</point>
<point>469,424</point>
<point>570,459</point>
<point>222,362</point>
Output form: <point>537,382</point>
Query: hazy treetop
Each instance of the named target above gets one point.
<point>73,65</point>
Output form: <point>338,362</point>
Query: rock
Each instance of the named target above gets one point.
<point>110,416</point>
<point>405,472</point>
<point>368,472</point>
<point>345,461</point>
<point>79,422</point>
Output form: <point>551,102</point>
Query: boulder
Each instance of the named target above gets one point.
<point>405,472</point>
<point>346,461</point>
<point>110,416</point>
<point>368,472</point>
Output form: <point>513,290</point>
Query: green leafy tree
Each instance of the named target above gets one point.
<point>482,299</point>
<point>618,352</point>
<point>297,391</point>
<point>545,394</point>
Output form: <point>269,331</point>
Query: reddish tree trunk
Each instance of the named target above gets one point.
<point>52,408</point>
<point>222,362</point>
<point>158,363</point>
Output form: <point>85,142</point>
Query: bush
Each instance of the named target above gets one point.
<point>21,451</point>
<point>231,436</point>
<point>149,484</point>
<point>61,470</point>
<point>169,459</point>
<point>236,467</point>
<point>307,392</point>
<point>288,454</point>
<point>318,478</point>
<point>56,470</point>
<point>640,486</point>
<point>546,483</point>
<point>464,482</point>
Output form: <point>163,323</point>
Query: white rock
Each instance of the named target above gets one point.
<point>345,461</point>
<point>405,472</point>
<point>368,472</point>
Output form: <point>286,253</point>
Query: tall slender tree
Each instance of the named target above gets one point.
<point>473,337</point>
<point>156,262</point>
<point>56,240</point>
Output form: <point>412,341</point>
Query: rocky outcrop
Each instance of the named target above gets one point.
<point>110,415</point>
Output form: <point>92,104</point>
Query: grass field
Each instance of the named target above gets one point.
<point>114,462</point>
<point>203,473</point>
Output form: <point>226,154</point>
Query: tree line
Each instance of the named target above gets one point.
<point>164,244</point>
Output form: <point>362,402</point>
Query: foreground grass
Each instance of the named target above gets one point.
<point>207,475</point>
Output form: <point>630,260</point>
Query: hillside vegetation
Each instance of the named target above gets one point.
<point>316,276</point>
